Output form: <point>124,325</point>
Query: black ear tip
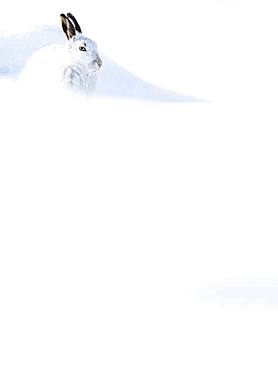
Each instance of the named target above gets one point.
<point>62,15</point>
<point>74,21</point>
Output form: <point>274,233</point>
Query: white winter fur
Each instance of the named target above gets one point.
<point>73,65</point>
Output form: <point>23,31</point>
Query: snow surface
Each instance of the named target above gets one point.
<point>113,80</point>
<point>133,234</point>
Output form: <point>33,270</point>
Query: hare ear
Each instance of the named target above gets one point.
<point>67,26</point>
<point>74,21</point>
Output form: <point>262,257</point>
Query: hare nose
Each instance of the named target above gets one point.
<point>99,62</point>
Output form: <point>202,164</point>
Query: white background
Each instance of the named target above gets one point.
<point>138,235</point>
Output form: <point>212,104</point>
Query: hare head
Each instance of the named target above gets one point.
<point>82,50</point>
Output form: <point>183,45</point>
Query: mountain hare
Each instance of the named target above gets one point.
<point>73,65</point>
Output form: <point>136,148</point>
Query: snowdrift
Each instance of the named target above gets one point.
<point>114,80</point>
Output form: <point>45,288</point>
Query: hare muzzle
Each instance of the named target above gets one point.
<point>96,64</point>
<point>99,62</point>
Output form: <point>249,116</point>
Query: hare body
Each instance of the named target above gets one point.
<point>73,65</point>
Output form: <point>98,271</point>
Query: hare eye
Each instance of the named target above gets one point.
<point>82,48</point>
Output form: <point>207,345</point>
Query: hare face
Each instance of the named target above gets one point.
<point>84,52</point>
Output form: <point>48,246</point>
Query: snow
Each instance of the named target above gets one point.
<point>134,233</point>
<point>114,80</point>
